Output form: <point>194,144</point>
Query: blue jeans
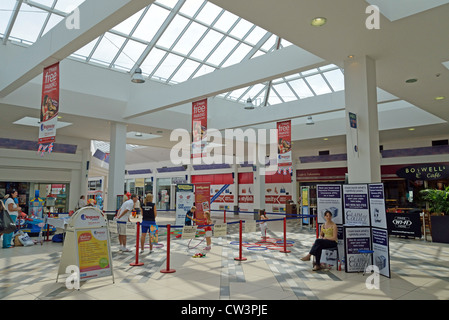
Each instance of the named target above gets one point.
<point>7,237</point>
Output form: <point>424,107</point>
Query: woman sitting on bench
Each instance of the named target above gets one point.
<point>328,239</point>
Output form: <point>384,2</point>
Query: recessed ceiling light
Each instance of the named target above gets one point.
<point>440,98</point>
<point>351,56</point>
<point>319,21</point>
<point>411,129</point>
<point>411,80</point>
<point>325,139</point>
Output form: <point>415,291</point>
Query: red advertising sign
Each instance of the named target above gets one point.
<point>277,199</point>
<point>199,127</point>
<point>49,105</point>
<point>202,199</point>
<point>284,129</point>
<point>246,199</point>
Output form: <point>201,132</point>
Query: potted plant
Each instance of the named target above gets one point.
<point>438,200</point>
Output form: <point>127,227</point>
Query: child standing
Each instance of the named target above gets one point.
<point>208,229</point>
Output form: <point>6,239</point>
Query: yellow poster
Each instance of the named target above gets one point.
<point>305,196</point>
<point>93,253</point>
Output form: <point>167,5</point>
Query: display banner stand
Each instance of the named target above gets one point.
<point>87,245</point>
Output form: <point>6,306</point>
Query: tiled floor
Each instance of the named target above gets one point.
<point>419,271</point>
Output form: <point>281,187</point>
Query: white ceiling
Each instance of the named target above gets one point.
<point>412,42</point>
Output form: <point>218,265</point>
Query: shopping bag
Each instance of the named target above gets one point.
<point>6,223</point>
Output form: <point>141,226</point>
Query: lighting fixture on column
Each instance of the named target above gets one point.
<point>249,104</point>
<point>137,76</point>
<point>310,121</point>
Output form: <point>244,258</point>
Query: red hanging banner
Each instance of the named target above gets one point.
<point>284,129</point>
<point>199,127</point>
<point>49,105</point>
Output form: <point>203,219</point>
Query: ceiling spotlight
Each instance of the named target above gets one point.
<point>249,104</point>
<point>319,21</point>
<point>411,80</point>
<point>137,76</point>
<point>310,121</point>
<point>351,56</point>
<point>440,98</point>
<point>326,139</point>
<point>138,134</point>
<point>411,129</point>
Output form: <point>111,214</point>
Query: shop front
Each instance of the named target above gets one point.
<point>403,183</point>
<point>54,196</point>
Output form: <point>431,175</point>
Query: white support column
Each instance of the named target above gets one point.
<point>85,171</point>
<point>259,189</point>
<point>117,161</point>
<point>361,99</point>
<point>294,183</point>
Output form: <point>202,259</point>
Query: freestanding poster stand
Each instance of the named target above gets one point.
<point>87,245</point>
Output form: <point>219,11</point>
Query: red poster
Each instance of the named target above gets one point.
<point>202,199</point>
<point>49,104</point>
<point>199,127</point>
<point>284,143</point>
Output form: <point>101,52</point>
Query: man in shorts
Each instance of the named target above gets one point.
<point>122,218</point>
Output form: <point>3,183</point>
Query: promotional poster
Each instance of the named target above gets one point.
<point>329,199</point>
<point>199,128</point>
<point>185,199</point>
<point>355,200</point>
<point>284,144</point>
<point>49,105</point>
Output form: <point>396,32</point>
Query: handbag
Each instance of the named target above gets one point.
<point>6,223</point>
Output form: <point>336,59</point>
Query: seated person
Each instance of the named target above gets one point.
<point>328,239</point>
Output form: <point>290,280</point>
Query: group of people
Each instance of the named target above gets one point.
<point>328,235</point>
<point>11,205</point>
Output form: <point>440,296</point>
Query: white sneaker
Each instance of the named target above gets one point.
<point>124,249</point>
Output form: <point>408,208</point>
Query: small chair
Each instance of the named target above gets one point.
<point>367,257</point>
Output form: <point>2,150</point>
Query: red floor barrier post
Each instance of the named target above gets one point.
<point>168,270</point>
<point>240,258</point>
<point>285,237</point>
<point>137,263</point>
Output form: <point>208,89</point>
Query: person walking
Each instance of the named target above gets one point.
<point>122,218</point>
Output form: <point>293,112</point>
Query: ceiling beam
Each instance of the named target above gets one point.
<point>96,18</point>
<point>273,65</point>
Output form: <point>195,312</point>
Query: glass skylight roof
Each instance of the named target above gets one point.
<point>173,41</point>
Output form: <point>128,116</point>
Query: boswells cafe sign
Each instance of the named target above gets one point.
<point>429,171</point>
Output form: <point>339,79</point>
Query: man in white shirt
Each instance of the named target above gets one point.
<point>122,218</point>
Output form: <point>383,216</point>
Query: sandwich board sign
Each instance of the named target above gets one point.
<point>87,245</point>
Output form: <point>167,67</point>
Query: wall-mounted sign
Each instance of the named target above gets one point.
<point>426,171</point>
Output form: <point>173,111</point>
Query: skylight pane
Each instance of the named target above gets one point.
<point>68,5</point>
<point>151,23</point>
<point>185,71</point>
<point>127,25</point>
<point>285,43</point>
<point>226,20</point>
<point>209,13</point>
<point>241,29</point>
<point>152,60</point>
<point>108,48</point>
<point>236,94</point>
<point>328,67</point>
<point>207,44</point>
<point>309,72</point>
<point>130,54</point>
<point>167,67</point>
<point>269,43</point>
<point>284,91</point>
<point>86,50</point>
<point>256,91</point>
<point>238,55</point>
<point>301,88</point>
<point>6,8</point>
<point>172,32</point>
<point>53,21</point>
<point>190,38</point>
<point>255,35</point>
<point>47,3</point>
<point>191,7</point>
<point>29,23</point>
<point>318,84</point>
<point>204,70</point>
<point>336,79</point>
<point>222,51</point>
